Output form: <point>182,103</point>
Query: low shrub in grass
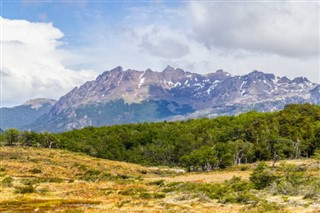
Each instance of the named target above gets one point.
<point>35,171</point>
<point>132,192</point>
<point>157,183</point>
<point>24,189</point>
<point>231,191</point>
<point>95,175</point>
<point>7,182</point>
<point>145,195</point>
<point>262,176</point>
<point>264,206</point>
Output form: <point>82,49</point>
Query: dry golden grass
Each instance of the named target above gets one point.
<point>63,181</point>
<point>209,177</point>
<point>58,185</point>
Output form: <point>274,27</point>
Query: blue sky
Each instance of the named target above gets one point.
<point>76,18</point>
<point>49,47</point>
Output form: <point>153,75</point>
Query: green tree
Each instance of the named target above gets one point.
<point>11,137</point>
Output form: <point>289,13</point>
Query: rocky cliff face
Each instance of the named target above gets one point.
<point>119,96</point>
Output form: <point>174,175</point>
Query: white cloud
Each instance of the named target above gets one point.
<point>284,28</point>
<point>137,43</point>
<point>163,47</point>
<point>32,62</point>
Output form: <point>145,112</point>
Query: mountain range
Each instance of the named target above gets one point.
<point>130,96</point>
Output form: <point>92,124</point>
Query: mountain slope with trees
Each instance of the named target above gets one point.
<point>130,96</point>
<point>20,116</point>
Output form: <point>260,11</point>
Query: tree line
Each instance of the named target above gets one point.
<point>198,145</point>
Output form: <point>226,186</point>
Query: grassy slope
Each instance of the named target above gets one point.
<point>70,182</point>
<point>61,181</point>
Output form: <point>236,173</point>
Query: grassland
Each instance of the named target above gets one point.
<point>47,180</point>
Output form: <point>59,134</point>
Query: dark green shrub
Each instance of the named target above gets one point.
<point>7,181</point>
<point>24,189</point>
<point>91,175</point>
<point>35,171</point>
<point>145,195</point>
<point>159,195</point>
<point>246,197</point>
<point>244,168</point>
<point>262,176</point>
<point>53,180</point>
<point>133,192</point>
<point>157,183</point>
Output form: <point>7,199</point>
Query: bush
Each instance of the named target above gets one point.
<point>159,195</point>
<point>35,171</point>
<point>145,195</point>
<point>24,189</point>
<point>7,181</point>
<point>316,154</point>
<point>52,180</point>
<point>264,206</point>
<point>262,176</point>
<point>157,183</point>
<point>91,175</point>
<point>133,192</point>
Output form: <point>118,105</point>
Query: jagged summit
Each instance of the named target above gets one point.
<point>168,68</point>
<point>117,69</point>
<point>300,80</point>
<point>126,96</point>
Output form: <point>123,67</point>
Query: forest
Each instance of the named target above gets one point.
<point>198,145</point>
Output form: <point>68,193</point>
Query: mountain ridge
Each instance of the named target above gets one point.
<point>20,116</point>
<point>128,96</point>
<point>120,96</point>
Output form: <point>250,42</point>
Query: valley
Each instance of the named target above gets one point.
<point>253,162</point>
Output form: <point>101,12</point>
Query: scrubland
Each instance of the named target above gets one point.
<point>51,180</point>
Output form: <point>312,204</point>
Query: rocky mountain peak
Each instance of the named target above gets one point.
<point>168,69</point>
<point>256,74</point>
<point>117,69</point>
<point>300,80</point>
<point>173,75</point>
<point>149,70</point>
<point>119,96</point>
<point>283,80</point>
<point>218,75</point>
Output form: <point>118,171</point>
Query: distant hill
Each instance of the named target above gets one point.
<point>19,116</point>
<point>131,96</point>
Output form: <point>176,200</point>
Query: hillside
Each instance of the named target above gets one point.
<point>198,145</point>
<point>19,116</point>
<point>44,180</point>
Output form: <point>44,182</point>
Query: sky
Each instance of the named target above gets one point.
<point>48,47</point>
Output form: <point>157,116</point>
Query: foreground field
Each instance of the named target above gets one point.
<point>47,180</point>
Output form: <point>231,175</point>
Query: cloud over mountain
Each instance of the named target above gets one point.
<point>289,29</point>
<point>32,62</point>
